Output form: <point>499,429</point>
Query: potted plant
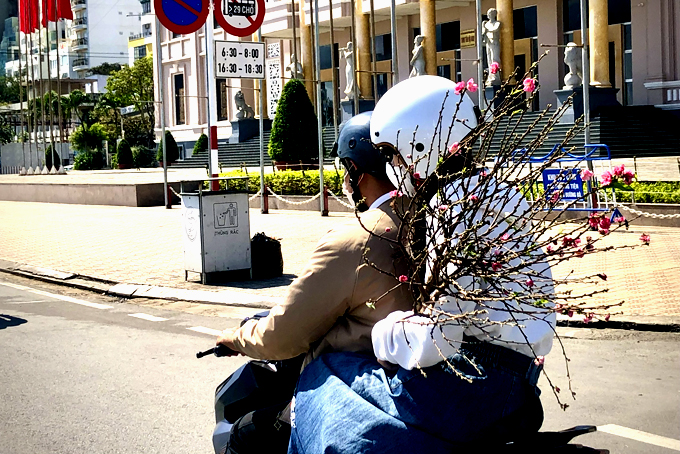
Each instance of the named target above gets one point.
<point>124,155</point>
<point>293,143</point>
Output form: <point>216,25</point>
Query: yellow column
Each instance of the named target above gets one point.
<point>261,84</point>
<point>599,44</point>
<point>428,28</point>
<point>306,49</point>
<point>504,9</point>
<point>363,49</point>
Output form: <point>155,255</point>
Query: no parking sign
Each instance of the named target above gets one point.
<point>182,16</point>
<point>240,18</point>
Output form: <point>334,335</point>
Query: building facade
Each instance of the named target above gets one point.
<point>635,48</point>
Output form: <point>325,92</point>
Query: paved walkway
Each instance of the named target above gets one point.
<point>143,246</point>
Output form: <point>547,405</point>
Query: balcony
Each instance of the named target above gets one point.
<point>78,5</point>
<point>80,64</point>
<point>79,23</point>
<point>79,44</point>
<point>137,36</point>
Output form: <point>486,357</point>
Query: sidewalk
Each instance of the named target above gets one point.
<point>124,245</point>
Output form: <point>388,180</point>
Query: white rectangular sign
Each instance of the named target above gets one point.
<point>238,59</point>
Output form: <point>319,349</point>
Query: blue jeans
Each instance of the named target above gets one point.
<point>346,403</point>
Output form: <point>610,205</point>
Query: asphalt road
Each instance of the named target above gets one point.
<point>77,377</point>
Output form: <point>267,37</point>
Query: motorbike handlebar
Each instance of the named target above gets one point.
<point>219,350</point>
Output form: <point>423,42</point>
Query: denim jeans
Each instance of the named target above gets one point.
<point>346,403</point>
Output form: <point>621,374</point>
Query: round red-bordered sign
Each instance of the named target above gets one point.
<point>236,24</point>
<point>182,16</point>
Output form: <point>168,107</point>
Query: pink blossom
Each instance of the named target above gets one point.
<point>496,252</point>
<point>482,173</point>
<point>408,156</point>
<point>416,175</point>
<point>494,67</point>
<point>558,307</point>
<point>580,252</point>
<point>606,317</point>
<point>557,389</point>
<point>505,237</point>
<point>529,282</point>
<point>594,221</point>
<point>529,85</point>
<point>606,178</point>
<point>586,174</point>
<point>473,198</point>
<point>620,219</point>
<point>556,196</point>
<point>550,248</point>
<point>496,266</point>
<point>454,148</point>
<point>396,193</point>
<point>604,232</point>
<point>605,223</point>
<point>644,238</point>
<point>403,279</point>
<point>628,177</point>
<point>539,360</point>
<point>443,208</point>
<point>602,276</point>
<point>570,314</point>
<point>458,89</point>
<point>471,85</point>
<point>388,229</point>
<point>618,170</point>
<point>588,318</point>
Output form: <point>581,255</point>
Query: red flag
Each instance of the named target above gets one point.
<point>28,15</point>
<point>53,10</point>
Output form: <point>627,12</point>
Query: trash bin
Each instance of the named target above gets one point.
<point>216,232</point>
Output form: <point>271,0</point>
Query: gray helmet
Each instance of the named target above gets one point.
<point>356,151</point>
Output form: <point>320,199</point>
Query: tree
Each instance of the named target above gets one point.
<point>201,145</point>
<point>133,85</point>
<point>105,69</point>
<point>171,150</point>
<point>88,138</point>
<point>9,90</point>
<point>294,131</point>
<point>52,158</point>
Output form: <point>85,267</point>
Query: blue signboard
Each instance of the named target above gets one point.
<point>567,182</point>
<point>182,16</point>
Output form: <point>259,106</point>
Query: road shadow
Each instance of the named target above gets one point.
<point>7,321</point>
<point>234,280</point>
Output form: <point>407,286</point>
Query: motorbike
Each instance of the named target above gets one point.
<point>261,383</point>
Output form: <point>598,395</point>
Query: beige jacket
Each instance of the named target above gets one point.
<point>325,309</point>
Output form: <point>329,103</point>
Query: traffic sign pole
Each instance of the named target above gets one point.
<point>213,162</point>
<point>263,210</point>
<point>161,106</point>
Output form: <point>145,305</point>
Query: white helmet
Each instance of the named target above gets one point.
<point>420,118</point>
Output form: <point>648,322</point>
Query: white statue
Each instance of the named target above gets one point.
<point>492,39</point>
<point>573,58</point>
<point>418,59</point>
<point>347,54</point>
<point>295,68</point>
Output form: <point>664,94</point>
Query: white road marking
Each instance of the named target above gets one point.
<point>639,435</point>
<point>204,330</point>
<point>148,317</point>
<point>26,302</point>
<point>16,286</point>
<point>71,300</point>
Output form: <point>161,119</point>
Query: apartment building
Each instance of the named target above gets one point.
<point>141,44</point>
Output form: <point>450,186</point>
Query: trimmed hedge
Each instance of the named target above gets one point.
<point>290,182</point>
<point>652,192</point>
<point>124,154</point>
<point>171,149</point>
<point>201,145</point>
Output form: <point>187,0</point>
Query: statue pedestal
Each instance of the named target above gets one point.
<point>242,130</point>
<point>599,97</point>
<point>365,105</point>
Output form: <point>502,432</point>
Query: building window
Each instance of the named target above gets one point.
<point>381,81</point>
<point>525,22</point>
<point>140,52</point>
<point>146,7</point>
<point>325,56</point>
<point>448,36</point>
<point>383,47</point>
<point>627,65</point>
<point>618,12</point>
<point>459,65</point>
<point>222,100</point>
<point>179,99</point>
<point>444,71</point>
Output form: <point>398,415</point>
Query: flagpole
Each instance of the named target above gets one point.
<point>49,94</point>
<point>42,89</point>
<point>35,110</point>
<point>59,115</point>
<point>21,105</point>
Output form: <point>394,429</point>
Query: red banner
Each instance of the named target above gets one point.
<point>53,10</point>
<point>29,15</point>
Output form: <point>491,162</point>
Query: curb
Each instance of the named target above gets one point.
<point>249,300</point>
<point>130,291</point>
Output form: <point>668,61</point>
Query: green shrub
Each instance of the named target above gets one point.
<point>124,154</point>
<point>294,131</point>
<point>52,157</point>
<point>90,138</point>
<point>143,156</point>
<point>290,182</point>
<point>651,192</point>
<point>88,160</point>
<point>114,161</point>
<point>201,145</point>
<point>171,149</point>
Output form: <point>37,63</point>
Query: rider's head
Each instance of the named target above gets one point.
<point>415,123</point>
<point>362,161</point>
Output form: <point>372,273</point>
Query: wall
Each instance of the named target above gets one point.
<point>18,155</point>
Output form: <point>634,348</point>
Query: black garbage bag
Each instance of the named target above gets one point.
<point>266,257</point>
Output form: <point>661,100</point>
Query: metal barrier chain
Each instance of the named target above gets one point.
<point>651,215</point>
<point>291,202</point>
<point>254,196</point>
<point>174,192</point>
<point>342,202</point>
